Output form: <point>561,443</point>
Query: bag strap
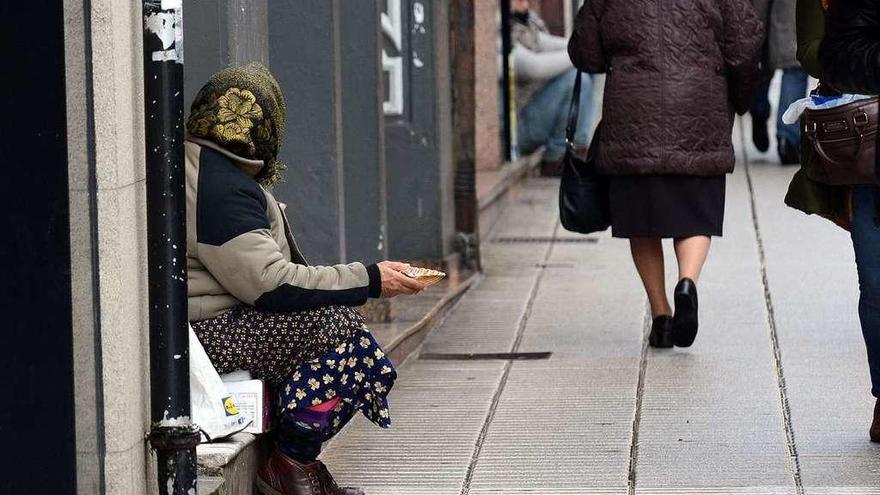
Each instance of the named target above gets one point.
<point>573,110</point>
<point>877,163</point>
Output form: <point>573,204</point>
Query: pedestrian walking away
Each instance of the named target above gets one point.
<point>837,44</point>
<point>780,53</point>
<point>254,302</point>
<point>676,74</point>
<point>545,81</point>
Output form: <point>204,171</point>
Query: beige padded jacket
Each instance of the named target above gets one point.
<point>240,248</point>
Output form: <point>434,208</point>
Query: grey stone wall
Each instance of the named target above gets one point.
<point>111,353</point>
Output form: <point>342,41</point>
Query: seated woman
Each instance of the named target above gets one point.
<point>254,302</point>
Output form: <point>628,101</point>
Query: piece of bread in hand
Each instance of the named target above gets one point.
<point>425,275</point>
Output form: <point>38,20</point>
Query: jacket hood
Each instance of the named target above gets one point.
<point>251,168</point>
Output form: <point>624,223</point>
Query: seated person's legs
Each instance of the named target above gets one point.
<point>320,397</point>
<point>323,365</point>
<point>542,121</point>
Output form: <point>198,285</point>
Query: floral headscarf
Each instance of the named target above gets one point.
<point>242,110</point>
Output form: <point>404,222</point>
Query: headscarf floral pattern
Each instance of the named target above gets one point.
<point>242,110</point>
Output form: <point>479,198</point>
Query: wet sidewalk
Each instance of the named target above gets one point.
<point>772,399</point>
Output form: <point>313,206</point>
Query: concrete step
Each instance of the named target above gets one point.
<point>228,467</point>
<point>497,188</point>
<point>211,486</point>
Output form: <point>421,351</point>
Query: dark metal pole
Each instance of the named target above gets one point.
<point>507,81</point>
<point>464,105</point>
<point>173,434</point>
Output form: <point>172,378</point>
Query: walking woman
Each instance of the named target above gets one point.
<point>254,302</point>
<point>841,48</point>
<point>676,72</point>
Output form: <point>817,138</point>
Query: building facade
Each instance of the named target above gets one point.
<point>372,175</point>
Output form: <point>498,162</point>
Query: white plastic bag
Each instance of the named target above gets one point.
<point>213,407</point>
<point>795,110</point>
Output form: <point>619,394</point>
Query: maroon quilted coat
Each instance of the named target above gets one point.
<point>676,72</point>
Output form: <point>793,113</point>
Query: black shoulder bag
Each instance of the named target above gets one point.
<point>583,193</point>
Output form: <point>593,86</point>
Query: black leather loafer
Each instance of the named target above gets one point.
<point>685,321</point>
<point>661,332</point>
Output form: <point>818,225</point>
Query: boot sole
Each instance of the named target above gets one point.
<point>663,342</point>
<point>684,323</point>
<point>264,488</point>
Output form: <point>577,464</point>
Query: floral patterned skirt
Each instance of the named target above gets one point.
<point>271,345</point>
<point>357,372</point>
<point>308,357</point>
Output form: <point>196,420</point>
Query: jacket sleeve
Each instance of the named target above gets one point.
<point>850,52</point>
<point>742,37</point>
<point>585,46</point>
<point>236,246</point>
<point>551,43</point>
<point>539,66</point>
<point>810,30</point>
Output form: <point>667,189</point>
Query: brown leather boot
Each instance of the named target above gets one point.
<point>282,475</point>
<point>875,427</point>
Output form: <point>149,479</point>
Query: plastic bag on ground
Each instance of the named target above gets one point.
<point>213,408</point>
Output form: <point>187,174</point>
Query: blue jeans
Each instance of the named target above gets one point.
<point>866,241</point>
<point>542,121</point>
<point>794,87</point>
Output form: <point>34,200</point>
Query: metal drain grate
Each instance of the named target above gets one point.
<point>544,240</point>
<point>502,356</point>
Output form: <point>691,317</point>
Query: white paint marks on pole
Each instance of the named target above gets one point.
<point>168,27</point>
<point>419,18</point>
<point>162,25</point>
<point>418,28</point>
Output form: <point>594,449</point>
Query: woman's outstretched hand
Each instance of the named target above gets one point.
<point>394,282</point>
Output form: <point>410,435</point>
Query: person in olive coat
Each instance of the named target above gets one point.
<point>677,71</point>
<point>841,48</point>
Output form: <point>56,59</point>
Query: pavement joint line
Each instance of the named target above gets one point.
<point>791,445</point>
<point>637,416</point>
<point>502,382</point>
<point>485,356</point>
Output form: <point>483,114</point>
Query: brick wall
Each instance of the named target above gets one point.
<point>488,133</point>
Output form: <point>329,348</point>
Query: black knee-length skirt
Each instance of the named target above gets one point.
<point>667,206</point>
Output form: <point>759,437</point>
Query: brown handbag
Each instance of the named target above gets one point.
<point>843,142</point>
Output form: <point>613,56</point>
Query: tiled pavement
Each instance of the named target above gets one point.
<point>772,399</point>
